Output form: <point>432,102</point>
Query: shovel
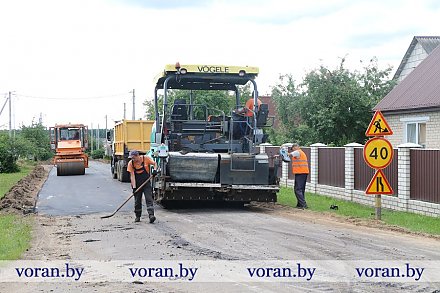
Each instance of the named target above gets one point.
<point>128,198</point>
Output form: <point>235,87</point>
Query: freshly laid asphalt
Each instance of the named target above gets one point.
<point>94,192</point>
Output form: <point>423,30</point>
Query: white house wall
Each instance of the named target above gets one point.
<point>417,56</point>
<point>398,127</point>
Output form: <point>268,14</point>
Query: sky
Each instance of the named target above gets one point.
<point>78,61</point>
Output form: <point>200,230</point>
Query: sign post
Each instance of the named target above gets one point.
<point>378,206</point>
<point>378,154</point>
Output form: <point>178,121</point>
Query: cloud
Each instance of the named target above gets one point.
<point>374,39</point>
<point>165,4</point>
<point>282,13</point>
<point>434,5</point>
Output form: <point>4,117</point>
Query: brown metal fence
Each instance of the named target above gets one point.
<point>331,162</point>
<point>425,172</point>
<point>273,151</point>
<point>308,152</point>
<point>363,173</point>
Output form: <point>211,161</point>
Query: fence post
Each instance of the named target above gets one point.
<point>404,174</point>
<point>285,166</point>
<point>314,165</point>
<point>263,147</point>
<point>349,169</point>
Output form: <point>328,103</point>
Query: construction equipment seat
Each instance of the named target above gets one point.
<point>262,115</point>
<point>180,110</point>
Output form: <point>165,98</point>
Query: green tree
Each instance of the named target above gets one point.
<point>214,100</point>
<point>35,139</point>
<point>94,141</point>
<point>330,106</point>
<point>286,96</point>
<point>30,142</point>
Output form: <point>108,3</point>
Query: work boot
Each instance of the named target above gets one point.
<point>138,219</point>
<point>152,219</point>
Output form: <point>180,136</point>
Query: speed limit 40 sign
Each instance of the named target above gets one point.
<point>378,153</point>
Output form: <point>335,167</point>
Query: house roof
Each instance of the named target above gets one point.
<point>427,43</point>
<point>420,89</point>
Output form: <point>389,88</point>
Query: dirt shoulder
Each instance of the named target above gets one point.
<point>328,218</point>
<point>22,197</point>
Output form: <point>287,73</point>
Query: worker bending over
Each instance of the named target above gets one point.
<point>300,168</point>
<point>139,168</point>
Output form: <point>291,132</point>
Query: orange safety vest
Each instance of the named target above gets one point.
<point>249,107</point>
<point>300,165</point>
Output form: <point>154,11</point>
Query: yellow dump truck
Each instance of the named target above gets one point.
<point>128,135</point>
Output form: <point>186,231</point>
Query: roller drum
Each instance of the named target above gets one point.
<point>70,168</point>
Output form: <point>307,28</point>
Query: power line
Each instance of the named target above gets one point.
<point>66,98</point>
<point>6,100</point>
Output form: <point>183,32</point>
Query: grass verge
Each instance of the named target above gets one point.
<point>15,236</point>
<point>15,231</point>
<point>7,180</point>
<point>320,203</point>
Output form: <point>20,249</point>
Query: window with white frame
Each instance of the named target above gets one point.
<point>415,130</point>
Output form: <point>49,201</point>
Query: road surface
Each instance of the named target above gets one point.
<point>69,227</point>
<point>93,192</point>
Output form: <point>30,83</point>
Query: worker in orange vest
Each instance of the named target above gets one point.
<point>300,168</point>
<point>247,112</point>
<point>249,107</point>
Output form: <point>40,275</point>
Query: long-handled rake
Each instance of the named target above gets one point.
<point>128,198</point>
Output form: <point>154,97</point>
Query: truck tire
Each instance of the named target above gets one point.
<point>113,170</point>
<point>125,176</point>
<point>118,170</point>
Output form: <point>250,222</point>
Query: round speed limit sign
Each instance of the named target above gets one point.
<point>378,153</point>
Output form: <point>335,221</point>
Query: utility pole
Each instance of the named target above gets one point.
<point>106,140</point>
<point>124,111</point>
<point>10,116</point>
<point>134,116</point>
<point>97,138</point>
<point>91,136</point>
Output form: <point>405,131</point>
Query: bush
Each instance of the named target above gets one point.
<point>98,154</point>
<point>8,164</point>
<point>8,156</point>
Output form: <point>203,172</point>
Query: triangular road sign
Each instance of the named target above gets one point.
<point>379,184</point>
<point>378,126</point>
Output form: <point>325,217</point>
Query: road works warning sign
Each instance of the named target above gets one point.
<point>378,154</point>
<point>379,184</point>
<point>378,126</point>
